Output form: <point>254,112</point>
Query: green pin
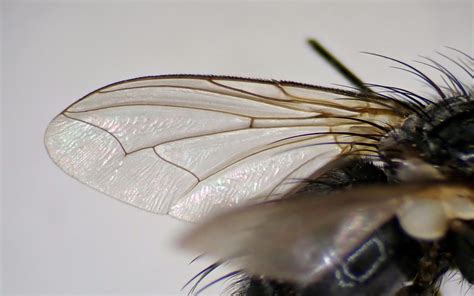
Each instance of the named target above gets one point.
<point>340,67</point>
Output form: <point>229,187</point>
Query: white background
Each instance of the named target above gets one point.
<point>60,237</point>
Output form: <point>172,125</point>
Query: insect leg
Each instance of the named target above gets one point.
<point>432,265</point>
<point>461,243</point>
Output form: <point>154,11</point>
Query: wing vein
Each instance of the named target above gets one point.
<point>257,98</point>
<point>176,165</point>
<point>161,105</point>
<point>201,90</point>
<point>289,174</point>
<point>102,129</point>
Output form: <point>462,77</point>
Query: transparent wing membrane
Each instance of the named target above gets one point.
<point>188,145</point>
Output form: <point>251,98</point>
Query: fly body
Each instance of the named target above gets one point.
<point>306,190</point>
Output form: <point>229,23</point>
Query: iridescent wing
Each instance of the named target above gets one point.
<point>187,145</point>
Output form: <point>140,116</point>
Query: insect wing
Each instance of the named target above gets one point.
<point>298,239</point>
<point>186,145</point>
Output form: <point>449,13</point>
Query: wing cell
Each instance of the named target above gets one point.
<point>96,158</point>
<point>141,126</point>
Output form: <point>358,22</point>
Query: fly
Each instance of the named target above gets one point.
<point>318,191</point>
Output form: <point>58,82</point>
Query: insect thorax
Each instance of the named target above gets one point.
<point>435,143</point>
